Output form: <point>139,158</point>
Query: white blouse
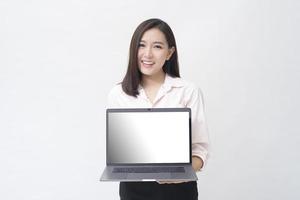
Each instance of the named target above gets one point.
<point>174,92</point>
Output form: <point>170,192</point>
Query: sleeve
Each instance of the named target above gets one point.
<point>113,98</point>
<point>200,139</point>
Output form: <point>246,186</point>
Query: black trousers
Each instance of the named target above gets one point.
<point>156,191</point>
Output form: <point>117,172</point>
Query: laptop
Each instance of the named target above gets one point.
<point>148,144</point>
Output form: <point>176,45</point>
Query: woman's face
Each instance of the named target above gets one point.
<point>153,52</point>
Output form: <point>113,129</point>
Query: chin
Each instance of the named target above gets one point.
<point>149,72</point>
<point>146,73</point>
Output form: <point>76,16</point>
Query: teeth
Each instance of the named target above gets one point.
<point>147,62</point>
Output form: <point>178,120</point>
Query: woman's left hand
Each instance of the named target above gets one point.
<point>197,164</point>
<point>170,182</point>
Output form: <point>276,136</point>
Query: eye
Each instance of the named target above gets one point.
<point>158,46</point>
<point>141,45</point>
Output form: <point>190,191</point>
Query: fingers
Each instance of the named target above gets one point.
<point>170,182</point>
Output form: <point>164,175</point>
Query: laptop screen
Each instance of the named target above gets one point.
<point>140,136</point>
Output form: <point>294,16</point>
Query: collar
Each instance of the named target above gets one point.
<point>169,83</point>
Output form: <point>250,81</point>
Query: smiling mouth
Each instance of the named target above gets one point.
<point>147,62</point>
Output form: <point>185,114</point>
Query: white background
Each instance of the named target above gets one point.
<point>59,59</point>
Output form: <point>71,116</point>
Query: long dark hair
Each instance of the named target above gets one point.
<point>133,76</point>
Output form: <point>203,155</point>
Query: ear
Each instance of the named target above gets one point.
<point>171,51</point>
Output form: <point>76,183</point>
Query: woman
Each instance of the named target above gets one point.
<point>153,80</point>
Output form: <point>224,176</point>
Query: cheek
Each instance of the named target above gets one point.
<point>139,55</point>
<point>164,56</point>
<point>162,59</point>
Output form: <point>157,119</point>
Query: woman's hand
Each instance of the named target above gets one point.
<point>197,164</point>
<point>170,182</point>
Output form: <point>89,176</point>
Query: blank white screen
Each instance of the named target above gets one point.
<point>148,137</point>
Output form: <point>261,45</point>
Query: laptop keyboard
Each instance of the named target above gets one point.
<point>148,170</point>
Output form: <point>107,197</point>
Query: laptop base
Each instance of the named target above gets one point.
<point>110,174</point>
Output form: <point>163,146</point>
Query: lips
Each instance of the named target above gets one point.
<point>147,63</point>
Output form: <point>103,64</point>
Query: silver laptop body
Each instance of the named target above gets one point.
<point>148,144</point>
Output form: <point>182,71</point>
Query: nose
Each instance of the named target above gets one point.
<point>148,52</point>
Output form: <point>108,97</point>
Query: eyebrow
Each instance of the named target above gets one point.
<point>157,42</point>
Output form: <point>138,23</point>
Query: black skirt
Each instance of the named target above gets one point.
<point>156,191</point>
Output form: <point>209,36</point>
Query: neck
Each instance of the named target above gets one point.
<point>156,80</point>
